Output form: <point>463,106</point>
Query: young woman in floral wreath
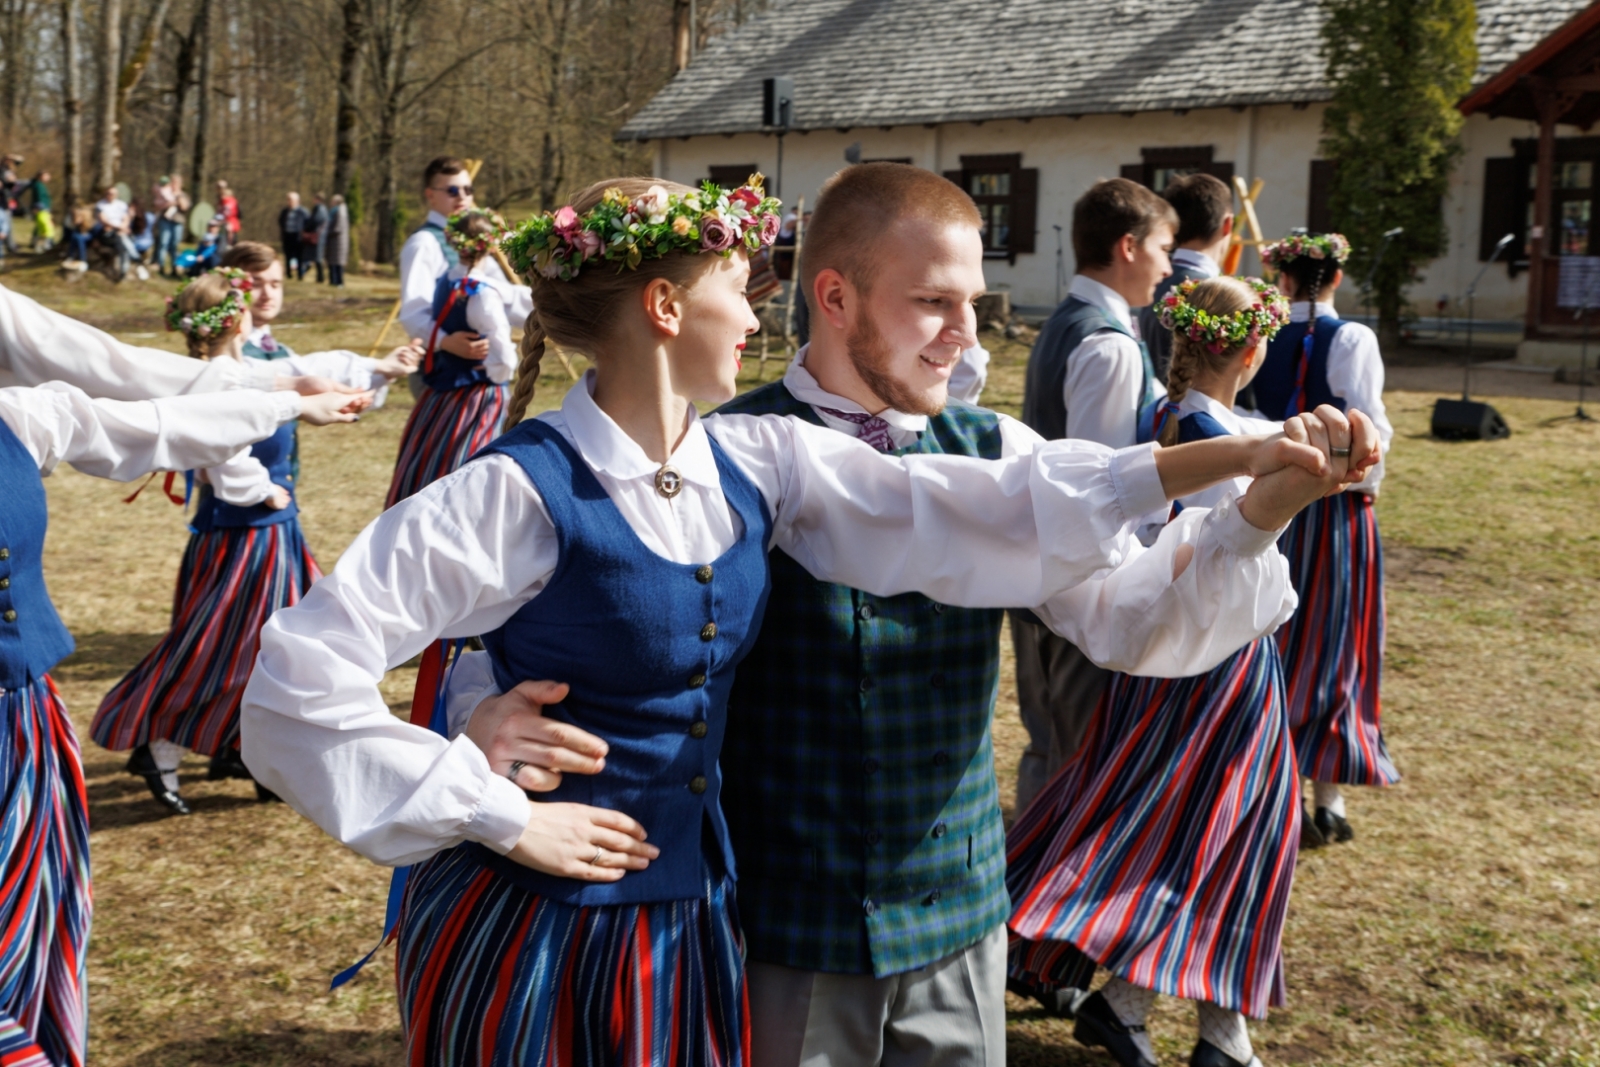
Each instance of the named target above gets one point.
<point>1164,850</point>
<point>465,400</point>
<point>246,559</point>
<point>1333,647</point>
<point>619,546</point>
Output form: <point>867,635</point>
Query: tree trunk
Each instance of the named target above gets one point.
<point>183,77</point>
<point>681,34</point>
<point>388,182</point>
<point>71,107</point>
<point>133,70</point>
<point>355,36</point>
<point>111,63</point>
<point>202,119</point>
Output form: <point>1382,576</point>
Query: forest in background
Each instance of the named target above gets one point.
<point>346,96</point>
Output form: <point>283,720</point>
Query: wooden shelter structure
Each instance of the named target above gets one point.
<point>1555,83</point>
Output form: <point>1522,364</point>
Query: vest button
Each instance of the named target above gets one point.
<point>938,608</point>
<point>697,784</point>
<point>933,897</point>
<point>5,553</point>
<point>708,631</point>
<point>11,615</point>
<point>696,681</point>
<point>865,612</point>
<point>870,765</point>
<point>867,684</point>
<point>873,837</point>
<point>940,758</point>
<point>869,907</point>
<point>5,583</point>
<point>940,829</point>
<point>699,729</point>
<point>938,680</point>
<point>703,574</point>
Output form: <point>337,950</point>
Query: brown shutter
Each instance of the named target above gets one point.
<point>1024,210</point>
<point>959,177</point>
<point>732,175</point>
<point>1319,215</point>
<point>1221,171</point>
<point>1134,172</point>
<point>1504,206</point>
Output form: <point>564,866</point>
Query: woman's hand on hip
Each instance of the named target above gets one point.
<point>577,841</point>
<point>512,732</point>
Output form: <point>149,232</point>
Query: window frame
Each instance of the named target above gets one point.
<point>1021,202</point>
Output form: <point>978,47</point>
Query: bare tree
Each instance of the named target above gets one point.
<point>110,54</point>
<point>18,48</point>
<point>71,106</point>
<point>350,47</point>
<point>182,78</point>
<point>202,120</point>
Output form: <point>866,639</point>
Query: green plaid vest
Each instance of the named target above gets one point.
<point>858,774</point>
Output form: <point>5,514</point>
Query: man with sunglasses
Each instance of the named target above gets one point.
<point>427,257</point>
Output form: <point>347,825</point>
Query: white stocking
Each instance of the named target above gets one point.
<point>1327,795</point>
<point>1226,1030</point>
<point>167,756</point>
<point>1131,1004</point>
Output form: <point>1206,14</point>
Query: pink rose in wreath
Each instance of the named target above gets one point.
<point>717,234</point>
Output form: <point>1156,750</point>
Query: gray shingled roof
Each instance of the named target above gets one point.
<point>907,62</point>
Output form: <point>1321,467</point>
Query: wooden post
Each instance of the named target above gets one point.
<point>1544,185</point>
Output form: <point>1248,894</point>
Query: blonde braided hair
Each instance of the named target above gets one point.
<point>1218,296</point>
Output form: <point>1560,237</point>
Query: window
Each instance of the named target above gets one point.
<point>1159,166</point>
<point>732,175</point>
<point>1007,196</point>
<point>1319,212</point>
<point>1508,200</point>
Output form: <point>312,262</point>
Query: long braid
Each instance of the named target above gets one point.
<point>1180,372</point>
<point>530,354</point>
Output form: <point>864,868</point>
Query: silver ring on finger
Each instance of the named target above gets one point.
<point>1339,453</point>
<point>516,769</point>
<point>598,852</point>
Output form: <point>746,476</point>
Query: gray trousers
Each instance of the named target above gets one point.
<point>1058,689</point>
<point>951,1013</point>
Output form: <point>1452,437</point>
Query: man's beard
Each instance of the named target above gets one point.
<point>872,359</point>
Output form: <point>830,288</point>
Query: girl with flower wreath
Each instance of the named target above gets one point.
<point>1164,849</point>
<point>464,403</point>
<point>246,559</point>
<point>619,546</point>
<point>1333,647</point>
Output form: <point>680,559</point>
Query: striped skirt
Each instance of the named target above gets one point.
<point>45,901</point>
<point>444,431</point>
<point>1332,648</point>
<point>1164,850</point>
<point>187,689</point>
<point>490,973</point>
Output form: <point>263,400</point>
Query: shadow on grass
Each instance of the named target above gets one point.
<point>1026,1050</point>
<point>122,800</point>
<point>300,1047</point>
<point>104,656</point>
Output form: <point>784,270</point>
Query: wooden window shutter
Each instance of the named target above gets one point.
<point>1134,172</point>
<point>1024,210</point>
<point>1221,171</point>
<point>959,177</point>
<point>1505,202</point>
<point>1319,213</point>
<point>732,175</point>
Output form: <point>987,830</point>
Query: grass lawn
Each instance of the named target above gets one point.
<point>1461,927</point>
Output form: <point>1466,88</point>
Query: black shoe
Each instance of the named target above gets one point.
<point>1099,1027</point>
<point>1058,1002</point>
<point>142,764</point>
<point>227,765</point>
<point>1310,835</point>
<point>266,796</point>
<point>1333,827</point>
<point>1208,1055</point>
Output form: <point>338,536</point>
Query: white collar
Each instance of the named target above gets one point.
<point>1297,311</point>
<point>436,219</point>
<point>805,389</point>
<point>1103,297</point>
<point>604,447</point>
<point>1196,260</point>
<point>1195,402</point>
<point>258,333</point>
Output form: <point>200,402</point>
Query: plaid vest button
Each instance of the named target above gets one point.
<point>865,612</point>
<point>873,837</point>
<point>940,829</point>
<point>869,907</point>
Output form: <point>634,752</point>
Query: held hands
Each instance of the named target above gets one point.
<point>466,344</point>
<point>567,840</point>
<point>279,498</point>
<point>1310,469</point>
<point>402,361</point>
<point>321,409</point>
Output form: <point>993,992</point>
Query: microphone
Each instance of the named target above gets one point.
<point>1396,232</point>
<point>1507,239</point>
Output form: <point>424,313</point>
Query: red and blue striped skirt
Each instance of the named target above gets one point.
<point>45,902</point>
<point>188,688</point>
<point>1332,648</point>
<point>444,431</point>
<point>1164,850</point>
<point>491,973</point>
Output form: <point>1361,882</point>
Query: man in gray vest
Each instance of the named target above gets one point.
<point>1205,226</point>
<point>1088,376</point>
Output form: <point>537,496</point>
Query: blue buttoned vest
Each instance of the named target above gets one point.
<point>859,777</point>
<point>449,371</point>
<point>32,636</point>
<point>1275,381</point>
<point>279,454</point>
<point>1044,406</point>
<point>648,647</point>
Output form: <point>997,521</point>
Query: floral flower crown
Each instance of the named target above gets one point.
<point>215,321</point>
<point>628,232</point>
<point>1223,333</point>
<point>476,245</point>
<point>1332,246</point>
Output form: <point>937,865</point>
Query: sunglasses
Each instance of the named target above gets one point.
<point>454,190</point>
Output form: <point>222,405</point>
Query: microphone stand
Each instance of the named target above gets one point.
<point>1583,353</point>
<point>1471,293</point>
<point>1366,283</point>
<point>1061,265</point>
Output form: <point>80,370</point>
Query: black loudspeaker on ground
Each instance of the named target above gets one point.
<point>1468,420</point>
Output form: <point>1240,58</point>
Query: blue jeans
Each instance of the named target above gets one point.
<point>169,233</point>
<point>80,242</point>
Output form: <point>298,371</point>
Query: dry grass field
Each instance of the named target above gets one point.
<point>1461,927</point>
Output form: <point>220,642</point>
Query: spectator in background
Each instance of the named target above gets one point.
<point>337,241</point>
<point>208,251</point>
<point>228,208</point>
<point>291,227</point>
<point>142,232</point>
<point>44,223</point>
<point>80,231</point>
<point>171,207</point>
<point>314,238</point>
<point>111,224</point>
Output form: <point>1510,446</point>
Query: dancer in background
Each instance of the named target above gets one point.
<point>1333,647</point>
<point>45,908</point>
<point>464,399</point>
<point>1164,850</point>
<point>1204,207</point>
<point>246,559</point>
<point>620,545</point>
